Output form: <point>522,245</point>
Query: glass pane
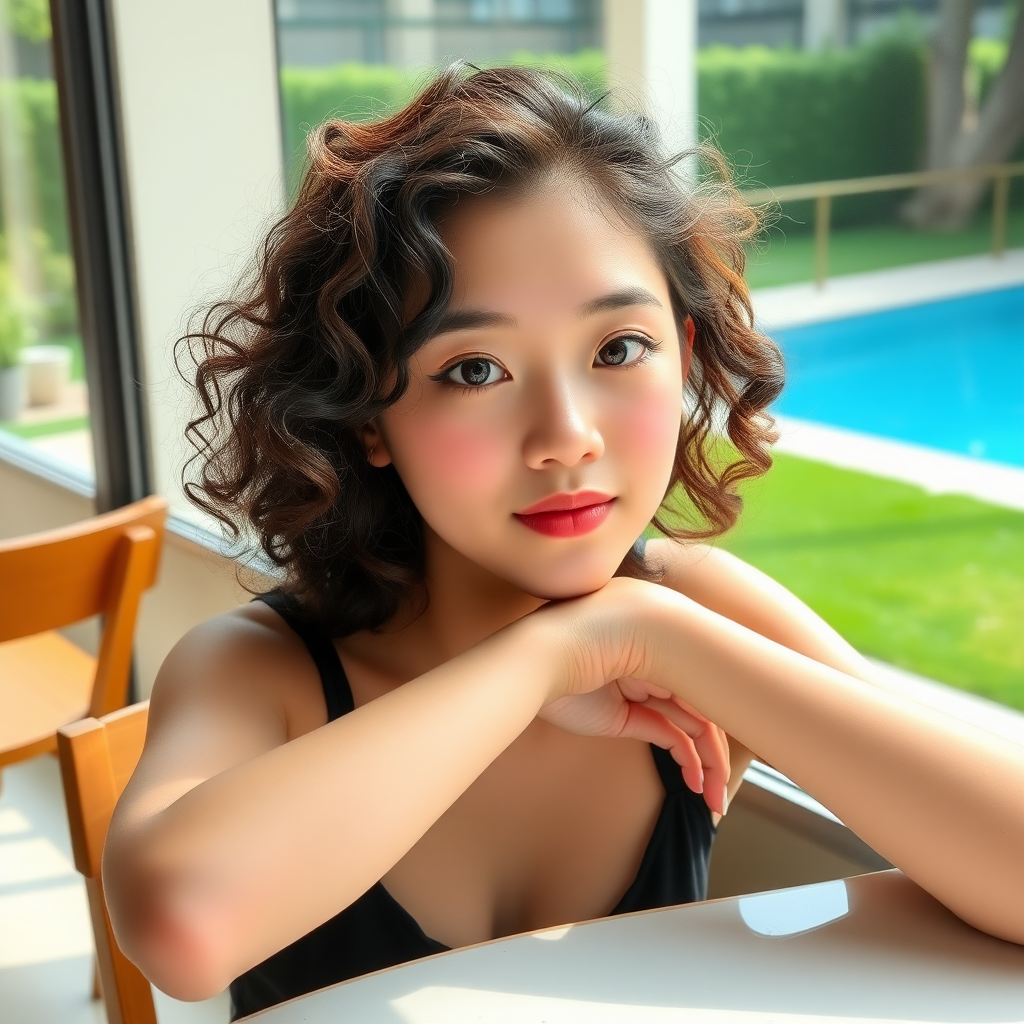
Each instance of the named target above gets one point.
<point>43,398</point>
<point>358,59</point>
<point>895,507</point>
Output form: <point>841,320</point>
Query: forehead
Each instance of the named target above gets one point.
<point>552,247</point>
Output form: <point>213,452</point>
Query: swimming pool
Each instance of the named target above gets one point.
<point>949,375</point>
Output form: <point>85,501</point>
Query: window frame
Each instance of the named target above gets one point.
<point>94,173</point>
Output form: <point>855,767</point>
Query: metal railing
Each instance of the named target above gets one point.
<point>823,192</point>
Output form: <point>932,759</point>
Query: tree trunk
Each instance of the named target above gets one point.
<point>999,128</point>
<point>946,79</point>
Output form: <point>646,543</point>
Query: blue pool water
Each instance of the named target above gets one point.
<point>949,374</point>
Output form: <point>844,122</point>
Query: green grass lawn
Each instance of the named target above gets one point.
<point>59,426</point>
<point>27,431</point>
<point>786,256</point>
<point>931,583</point>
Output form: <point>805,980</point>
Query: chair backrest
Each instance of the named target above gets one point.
<point>97,757</point>
<point>98,567</point>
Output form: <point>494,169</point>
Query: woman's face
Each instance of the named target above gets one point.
<point>539,429</point>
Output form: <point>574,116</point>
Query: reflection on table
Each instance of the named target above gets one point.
<point>874,948</point>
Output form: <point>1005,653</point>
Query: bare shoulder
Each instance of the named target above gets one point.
<point>708,574</point>
<point>726,584</point>
<point>233,688</point>
<point>247,657</point>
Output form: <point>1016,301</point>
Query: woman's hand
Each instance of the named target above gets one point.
<point>629,707</point>
<point>930,793</point>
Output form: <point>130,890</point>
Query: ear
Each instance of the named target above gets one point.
<point>377,453</point>
<point>691,331</point>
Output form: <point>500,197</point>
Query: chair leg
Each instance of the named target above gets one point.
<point>97,992</point>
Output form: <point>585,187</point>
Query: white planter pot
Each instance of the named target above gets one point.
<point>48,370</point>
<point>13,393</point>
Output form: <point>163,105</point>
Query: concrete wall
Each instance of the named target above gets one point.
<point>202,143</point>
<point>651,50</point>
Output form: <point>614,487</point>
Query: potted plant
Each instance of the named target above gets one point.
<point>12,372</point>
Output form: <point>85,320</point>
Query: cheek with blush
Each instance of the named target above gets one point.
<point>447,463</point>
<point>646,435</point>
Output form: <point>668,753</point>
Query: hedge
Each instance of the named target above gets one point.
<point>30,107</point>
<point>987,57</point>
<point>786,116</point>
<point>362,92</point>
<point>780,115</point>
<point>796,117</point>
<point>352,92</point>
<point>32,104</point>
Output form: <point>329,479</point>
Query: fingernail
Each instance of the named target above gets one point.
<point>725,801</point>
<point>702,780</point>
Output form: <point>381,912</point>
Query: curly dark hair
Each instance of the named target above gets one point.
<point>319,343</point>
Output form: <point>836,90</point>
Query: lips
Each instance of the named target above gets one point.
<point>567,515</point>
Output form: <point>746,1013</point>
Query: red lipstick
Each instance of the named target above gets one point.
<point>567,515</point>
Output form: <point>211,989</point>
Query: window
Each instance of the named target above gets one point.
<point>360,58</point>
<point>44,402</point>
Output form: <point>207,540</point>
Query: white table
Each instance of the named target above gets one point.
<point>870,949</point>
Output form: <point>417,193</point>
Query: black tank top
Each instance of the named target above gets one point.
<point>376,932</point>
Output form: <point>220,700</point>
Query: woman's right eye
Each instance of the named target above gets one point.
<point>473,373</point>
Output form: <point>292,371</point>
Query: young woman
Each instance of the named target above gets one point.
<point>490,339</point>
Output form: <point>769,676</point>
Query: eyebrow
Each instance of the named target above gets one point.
<point>620,300</point>
<point>473,319</point>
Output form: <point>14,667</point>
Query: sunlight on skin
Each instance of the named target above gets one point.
<point>553,421</point>
<point>544,284</point>
<point>471,779</point>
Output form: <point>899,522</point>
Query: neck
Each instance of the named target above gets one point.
<point>464,605</point>
<point>467,603</point>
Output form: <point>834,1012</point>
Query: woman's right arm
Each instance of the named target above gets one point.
<point>230,842</point>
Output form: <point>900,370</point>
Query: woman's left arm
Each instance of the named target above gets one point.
<point>729,586</point>
<point>938,797</point>
<point>724,584</point>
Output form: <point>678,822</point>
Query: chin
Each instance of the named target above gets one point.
<point>567,585</point>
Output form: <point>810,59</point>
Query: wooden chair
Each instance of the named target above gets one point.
<point>49,580</point>
<point>96,760</point>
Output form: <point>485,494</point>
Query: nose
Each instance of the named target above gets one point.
<point>562,429</point>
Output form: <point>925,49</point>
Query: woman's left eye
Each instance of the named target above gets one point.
<point>624,350</point>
